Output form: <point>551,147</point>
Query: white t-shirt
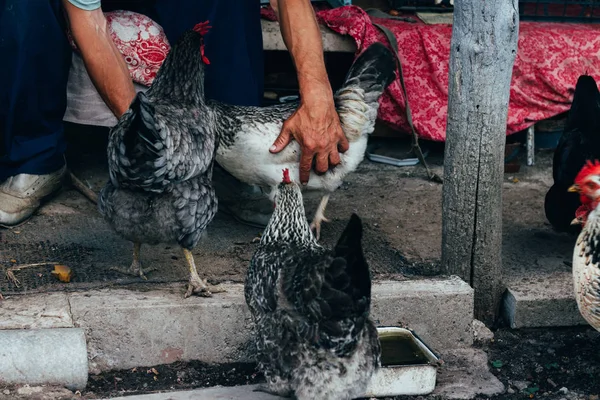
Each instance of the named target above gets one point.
<point>86,4</point>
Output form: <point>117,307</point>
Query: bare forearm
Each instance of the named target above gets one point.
<point>104,63</point>
<point>302,37</point>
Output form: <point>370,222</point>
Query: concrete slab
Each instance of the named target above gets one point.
<point>332,41</point>
<point>44,356</point>
<point>215,393</point>
<point>541,300</point>
<point>35,312</point>
<point>127,329</point>
<point>465,375</point>
<point>439,311</point>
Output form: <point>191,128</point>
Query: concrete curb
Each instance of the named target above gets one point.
<point>541,301</point>
<point>245,392</point>
<point>44,356</point>
<point>126,328</point>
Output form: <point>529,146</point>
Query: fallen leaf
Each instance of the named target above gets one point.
<point>155,377</point>
<point>134,369</point>
<point>154,371</point>
<point>63,273</point>
<point>13,261</point>
<point>16,232</point>
<point>515,180</point>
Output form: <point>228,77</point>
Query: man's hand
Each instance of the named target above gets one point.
<point>316,127</point>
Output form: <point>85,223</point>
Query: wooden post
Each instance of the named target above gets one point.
<point>483,50</point>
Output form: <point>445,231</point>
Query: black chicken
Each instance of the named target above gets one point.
<point>580,141</point>
<point>311,307</point>
<point>160,157</point>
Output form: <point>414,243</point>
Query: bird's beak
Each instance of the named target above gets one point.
<point>574,189</point>
<point>576,221</point>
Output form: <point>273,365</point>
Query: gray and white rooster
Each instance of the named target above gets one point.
<point>311,306</point>
<point>160,159</point>
<point>248,132</point>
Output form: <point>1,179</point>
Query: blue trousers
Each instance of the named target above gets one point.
<point>35,58</point>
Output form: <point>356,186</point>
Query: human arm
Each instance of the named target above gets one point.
<point>315,125</point>
<point>103,61</point>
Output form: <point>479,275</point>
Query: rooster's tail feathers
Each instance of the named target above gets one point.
<point>585,110</point>
<point>372,71</point>
<point>357,102</point>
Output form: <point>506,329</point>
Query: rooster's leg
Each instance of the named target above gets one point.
<point>135,268</point>
<point>198,286</point>
<point>319,217</point>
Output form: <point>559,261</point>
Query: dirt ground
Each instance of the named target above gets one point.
<point>400,208</point>
<point>551,364</point>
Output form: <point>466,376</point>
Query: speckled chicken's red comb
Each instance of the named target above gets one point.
<point>590,168</point>
<point>286,176</point>
<point>202,28</point>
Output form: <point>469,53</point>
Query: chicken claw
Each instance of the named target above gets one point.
<point>196,285</point>
<point>315,225</point>
<point>135,268</point>
<point>271,389</point>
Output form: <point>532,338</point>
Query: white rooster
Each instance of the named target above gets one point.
<point>586,256</point>
<point>246,133</point>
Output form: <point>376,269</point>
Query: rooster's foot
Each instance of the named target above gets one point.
<point>315,226</point>
<point>202,288</point>
<point>135,269</point>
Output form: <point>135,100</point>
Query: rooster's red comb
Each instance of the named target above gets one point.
<point>590,168</point>
<point>202,28</point>
<point>286,176</point>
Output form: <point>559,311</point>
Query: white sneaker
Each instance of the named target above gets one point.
<point>22,194</point>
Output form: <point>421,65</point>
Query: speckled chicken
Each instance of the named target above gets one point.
<point>160,157</point>
<point>586,255</point>
<point>311,306</point>
<point>249,132</point>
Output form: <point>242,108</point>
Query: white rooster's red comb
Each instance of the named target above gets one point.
<point>286,176</point>
<point>202,28</point>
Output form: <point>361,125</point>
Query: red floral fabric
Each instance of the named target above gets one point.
<point>141,41</point>
<point>551,57</point>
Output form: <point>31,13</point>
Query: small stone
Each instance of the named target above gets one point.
<point>145,385</point>
<point>29,390</point>
<point>510,390</point>
<point>481,333</point>
<point>6,392</point>
<point>593,397</point>
<point>563,390</point>
<point>521,385</point>
<point>539,369</point>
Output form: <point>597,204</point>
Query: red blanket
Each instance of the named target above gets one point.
<point>551,57</point>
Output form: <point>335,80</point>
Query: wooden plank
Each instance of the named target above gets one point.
<point>483,50</point>
<point>332,41</point>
